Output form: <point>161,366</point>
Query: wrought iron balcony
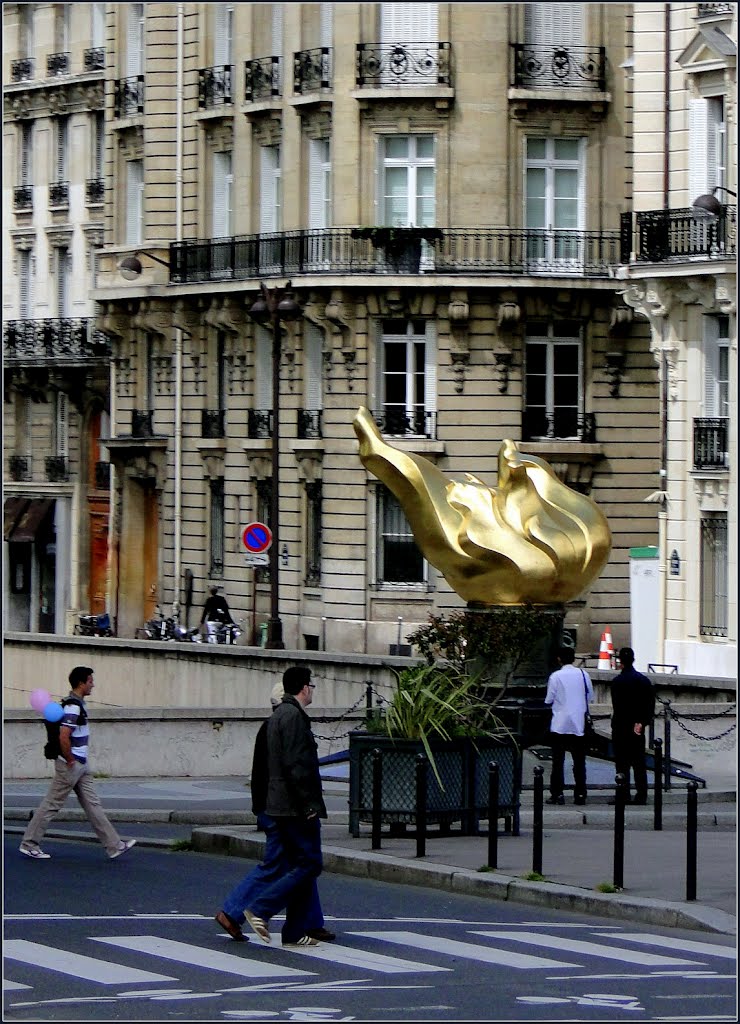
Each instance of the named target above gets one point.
<point>259,423</point>
<point>23,197</point>
<point>94,59</point>
<point>398,421</point>
<point>309,424</point>
<point>94,191</point>
<point>59,193</point>
<point>711,443</point>
<point>559,67</point>
<point>21,70</point>
<point>57,64</point>
<point>41,342</point>
<point>141,423</point>
<point>663,236</point>
<point>714,10</point>
<point>57,470</point>
<point>128,96</point>
<point>214,86</point>
<point>102,475</point>
<point>261,79</point>
<point>312,70</point>
<point>212,423</point>
<point>482,251</point>
<point>561,424</point>
<point>402,65</point>
<point>18,467</point>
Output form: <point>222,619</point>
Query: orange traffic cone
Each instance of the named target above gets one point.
<point>605,662</point>
<point>610,648</point>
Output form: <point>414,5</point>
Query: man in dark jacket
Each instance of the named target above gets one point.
<point>296,804</point>
<point>633,704</point>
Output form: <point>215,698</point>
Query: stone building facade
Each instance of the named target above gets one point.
<point>248,143</point>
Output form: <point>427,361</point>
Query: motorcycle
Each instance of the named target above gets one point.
<point>222,632</point>
<point>169,628</point>
<point>93,625</point>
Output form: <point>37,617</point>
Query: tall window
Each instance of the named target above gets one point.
<point>224,35</point>
<point>554,201</point>
<point>312,359</point>
<point>97,35</point>
<point>554,24</point>
<point>409,23</point>
<point>62,149</point>
<point>407,186</point>
<point>552,381</point>
<point>399,559</point>
<point>326,24</point>
<point>221,372</point>
<point>25,284</point>
<point>61,424</point>
<point>262,369</point>
<point>264,509</point>
<point>63,276</point>
<point>25,29</point>
<point>98,144</point>
<point>151,373</point>
<point>25,164</point>
<point>223,188</point>
<point>319,184</point>
<point>217,533</point>
<point>61,27</point>
<point>134,40</point>
<point>270,208</point>
<point>313,533</point>
<point>716,365</point>
<point>707,145</point>
<point>713,613</point>
<point>134,202</point>
<point>408,380</point>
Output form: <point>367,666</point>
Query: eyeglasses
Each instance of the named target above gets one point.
<point>311,686</point>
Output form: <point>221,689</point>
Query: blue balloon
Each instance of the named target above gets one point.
<point>53,712</point>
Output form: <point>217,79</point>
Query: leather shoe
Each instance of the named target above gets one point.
<point>322,934</point>
<point>230,926</point>
<point>555,799</point>
<point>579,800</point>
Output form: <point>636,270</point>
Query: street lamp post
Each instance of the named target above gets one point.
<point>274,305</point>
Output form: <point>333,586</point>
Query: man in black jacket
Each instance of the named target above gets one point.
<point>633,704</point>
<point>296,804</point>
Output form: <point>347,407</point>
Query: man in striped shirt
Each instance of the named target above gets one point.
<point>71,772</point>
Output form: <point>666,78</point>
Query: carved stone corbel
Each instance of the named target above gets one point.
<point>620,320</point>
<point>508,315</point>
<point>186,318</point>
<point>313,311</point>
<point>310,464</point>
<point>341,316</point>
<point>259,465</point>
<point>458,312</point>
<point>654,300</point>
<point>154,317</point>
<point>20,105</point>
<point>503,358</point>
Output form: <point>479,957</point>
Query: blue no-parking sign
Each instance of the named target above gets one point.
<point>257,538</point>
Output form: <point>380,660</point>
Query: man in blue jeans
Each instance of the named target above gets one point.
<point>273,863</point>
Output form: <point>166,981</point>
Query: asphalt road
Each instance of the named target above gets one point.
<point>87,939</point>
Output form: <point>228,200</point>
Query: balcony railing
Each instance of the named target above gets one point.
<point>21,70</point>
<point>54,340</point>
<point>23,197</point>
<point>261,79</point>
<point>102,475</point>
<point>57,64</point>
<point>141,423</point>
<point>18,467</point>
<point>94,191</point>
<point>59,193</point>
<point>402,422</point>
<point>677,235</point>
<point>212,423</point>
<point>710,443</point>
<point>94,59</point>
<point>402,65</point>
<point>559,67</point>
<point>128,96</point>
<point>713,10</point>
<point>259,423</point>
<point>309,423</point>
<point>561,424</point>
<point>483,251</point>
<point>57,470</point>
<point>311,70</point>
<point>214,86</point>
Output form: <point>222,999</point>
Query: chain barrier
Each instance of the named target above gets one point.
<point>676,716</point>
<point>369,691</point>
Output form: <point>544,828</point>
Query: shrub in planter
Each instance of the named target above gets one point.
<point>402,246</point>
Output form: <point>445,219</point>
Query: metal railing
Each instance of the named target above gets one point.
<point>661,236</point>
<point>94,191</point>
<point>311,70</point>
<point>212,423</point>
<point>23,197</point>
<point>563,424</point>
<point>57,64</point>
<point>94,59</point>
<point>401,422</point>
<point>259,423</point>
<point>403,65</point>
<point>18,467</point>
<point>334,251</point>
<point>214,86</point>
<point>57,469</point>
<point>261,79</point>
<point>141,423</point>
<point>712,10</point>
<point>308,423</point>
<point>70,340</point>
<point>710,443</point>
<point>59,193</point>
<point>559,67</point>
<point>128,96</point>
<point>21,70</point>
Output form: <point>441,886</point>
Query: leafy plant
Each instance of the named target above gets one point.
<point>534,876</point>
<point>395,240</point>
<point>607,887</point>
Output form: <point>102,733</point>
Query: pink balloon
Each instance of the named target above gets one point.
<point>39,699</point>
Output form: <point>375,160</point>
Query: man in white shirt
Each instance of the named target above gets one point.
<point>569,691</point>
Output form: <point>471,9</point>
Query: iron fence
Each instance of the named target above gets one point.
<point>403,65</point>
<point>710,443</point>
<point>18,467</point>
<point>214,86</point>
<point>94,58</point>
<point>312,70</point>
<point>403,422</point>
<point>21,70</point>
<point>57,64</point>
<point>54,339</point>
<point>23,197</point>
<point>141,423</point>
<point>59,193</point>
<point>662,236</point>
<point>259,423</point>
<point>559,67</point>
<point>128,96</point>
<point>94,191</point>
<point>261,79</point>
<point>212,423</point>
<point>309,423</point>
<point>57,469</point>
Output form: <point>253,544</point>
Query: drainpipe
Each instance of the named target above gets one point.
<point>666,102</point>
<point>111,596</point>
<point>663,509</point>
<point>178,331</point>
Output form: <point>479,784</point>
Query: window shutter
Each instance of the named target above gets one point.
<point>224,27</point>
<point>262,368</point>
<point>98,25</point>
<point>554,24</point>
<point>430,369</point>
<point>269,188</point>
<point>715,143</point>
<point>62,424</point>
<point>317,183</point>
<point>134,202</point>
<point>135,40</point>
<point>62,139</point>
<point>312,342</point>
<point>698,147</point>
<point>24,283</point>
<point>277,30</point>
<point>26,154</point>
<point>222,190</point>
<point>99,129</point>
<point>326,24</point>
<point>711,366</point>
<point>408,23</point>
<point>63,262</point>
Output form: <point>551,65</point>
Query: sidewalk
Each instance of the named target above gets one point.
<point>577,848</point>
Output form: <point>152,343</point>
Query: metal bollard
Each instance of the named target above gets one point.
<point>421,805</point>
<point>537,819</point>
<point>377,765</point>
<point>620,799</point>
<point>691,825</point>
<point>667,747</point>
<point>493,815</point>
<point>658,789</point>
<point>368,702</point>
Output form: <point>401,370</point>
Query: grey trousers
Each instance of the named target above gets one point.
<point>66,779</point>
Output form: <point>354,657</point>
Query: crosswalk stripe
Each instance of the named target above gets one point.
<point>184,953</point>
<point>75,964</point>
<point>589,948</point>
<point>365,959</point>
<point>685,945</point>
<point>12,986</point>
<point>466,950</point>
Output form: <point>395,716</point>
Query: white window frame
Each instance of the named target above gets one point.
<point>61,28</point>
<point>714,575</point>
<point>270,209</point>
<point>63,267</point>
<point>25,163</point>
<point>418,381</point>
<point>223,41</point>
<point>550,247</point>
<point>134,202</point>
<point>313,343</point>
<point>551,25</point>
<point>97,25</point>
<point>61,424</point>
<point>707,144</point>
<point>25,283</point>
<point>412,162</point>
<point>716,366</point>
<point>26,29</point>
<point>135,21</point>
<point>262,369</point>
<point>61,149</point>
<point>222,195</point>
<point>548,339</point>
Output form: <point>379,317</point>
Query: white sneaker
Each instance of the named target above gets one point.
<point>34,850</point>
<point>125,845</point>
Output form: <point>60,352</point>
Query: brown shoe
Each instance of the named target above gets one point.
<point>230,926</point>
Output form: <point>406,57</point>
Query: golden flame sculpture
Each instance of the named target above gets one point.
<point>531,540</point>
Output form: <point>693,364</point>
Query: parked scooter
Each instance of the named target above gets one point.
<point>93,625</point>
<point>222,632</point>
<point>169,628</point>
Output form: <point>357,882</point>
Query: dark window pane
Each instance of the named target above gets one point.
<point>536,358</point>
<point>395,358</point>
<point>565,359</point>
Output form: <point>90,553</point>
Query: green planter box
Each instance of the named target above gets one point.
<point>462,768</point>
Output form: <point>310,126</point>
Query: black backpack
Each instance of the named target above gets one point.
<point>52,748</point>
